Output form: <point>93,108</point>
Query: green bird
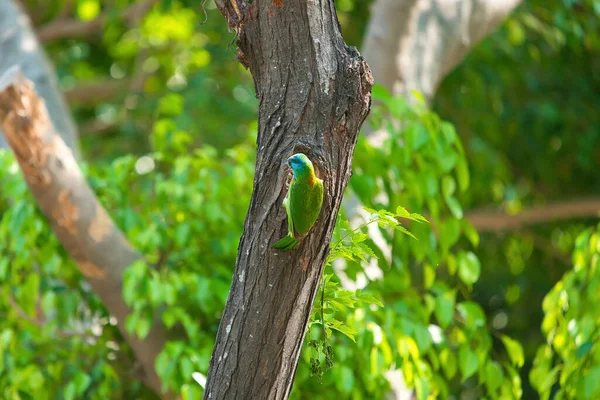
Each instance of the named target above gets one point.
<point>302,203</point>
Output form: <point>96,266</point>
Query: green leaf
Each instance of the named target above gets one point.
<point>182,234</point>
<point>381,93</point>
<point>408,347</point>
<point>468,362</point>
<point>171,104</point>
<point>418,96</point>
<point>470,232</point>
<point>4,264</point>
<point>422,337</point>
<point>515,350</point>
<point>449,132</point>
<point>405,231</point>
<point>454,206</point>
<point>162,364</point>
<point>402,212</point>
<point>448,186</point>
<point>428,276</point>
<point>420,136</point>
<point>82,382</point>
<point>131,322</point>
<point>87,10</point>
<point>369,299</point>
<point>448,361</point>
<point>493,375</point>
<point>142,328</point>
<point>165,5</point>
<point>30,293</point>
<point>583,349</point>
<point>469,268</point>
<point>444,309</point>
<point>191,392</point>
<point>449,233</point>
<point>472,313</point>
<point>422,388</point>
<point>589,384</point>
<point>346,381</point>
<point>187,367</point>
<point>452,267</point>
<point>70,391</point>
<point>462,174</point>
<point>342,328</point>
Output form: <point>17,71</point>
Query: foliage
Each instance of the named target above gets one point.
<point>429,328</point>
<point>524,102</point>
<point>457,314</point>
<point>568,364</point>
<point>181,49</point>
<point>178,210</point>
<point>335,300</point>
<point>181,216</point>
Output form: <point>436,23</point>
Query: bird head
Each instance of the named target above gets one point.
<point>299,162</point>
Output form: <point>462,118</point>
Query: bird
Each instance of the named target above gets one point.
<point>302,203</point>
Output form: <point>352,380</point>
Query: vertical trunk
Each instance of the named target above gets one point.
<point>314,94</point>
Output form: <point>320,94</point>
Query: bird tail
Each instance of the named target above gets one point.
<point>286,243</point>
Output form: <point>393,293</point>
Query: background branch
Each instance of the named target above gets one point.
<point>490,221</point>
<point>73,28</point>
<point>81,223</point>
<point>19,46</point>
<point>414,44</point>
<point>104,90</point>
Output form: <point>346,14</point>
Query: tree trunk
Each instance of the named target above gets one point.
<point>314,95</point>
<point>414,44</point>
<point>19,46</point>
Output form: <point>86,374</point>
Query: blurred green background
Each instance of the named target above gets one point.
<point>503,313</point>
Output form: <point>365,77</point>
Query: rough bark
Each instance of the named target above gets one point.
<point>19,46</point>
<point>414,44</point>
<point>314,95</point>
<point>81,223</point>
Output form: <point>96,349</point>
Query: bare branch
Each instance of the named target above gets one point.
<point>73,28</point>
<point>95,92</point>
<point>96,127</point>
<point>491,221</point>
<point>81,223</point>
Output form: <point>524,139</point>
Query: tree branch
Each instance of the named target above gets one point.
<point>73,28</point>
<point>103,90</point>
<point>94,92</point>
<point>414,44</point>
<point>19,46</point>
<point>81,223</point>
<point>491,221</point>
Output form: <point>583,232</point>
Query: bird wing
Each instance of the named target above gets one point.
<point>288,209</point>
<point>305,204</point>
